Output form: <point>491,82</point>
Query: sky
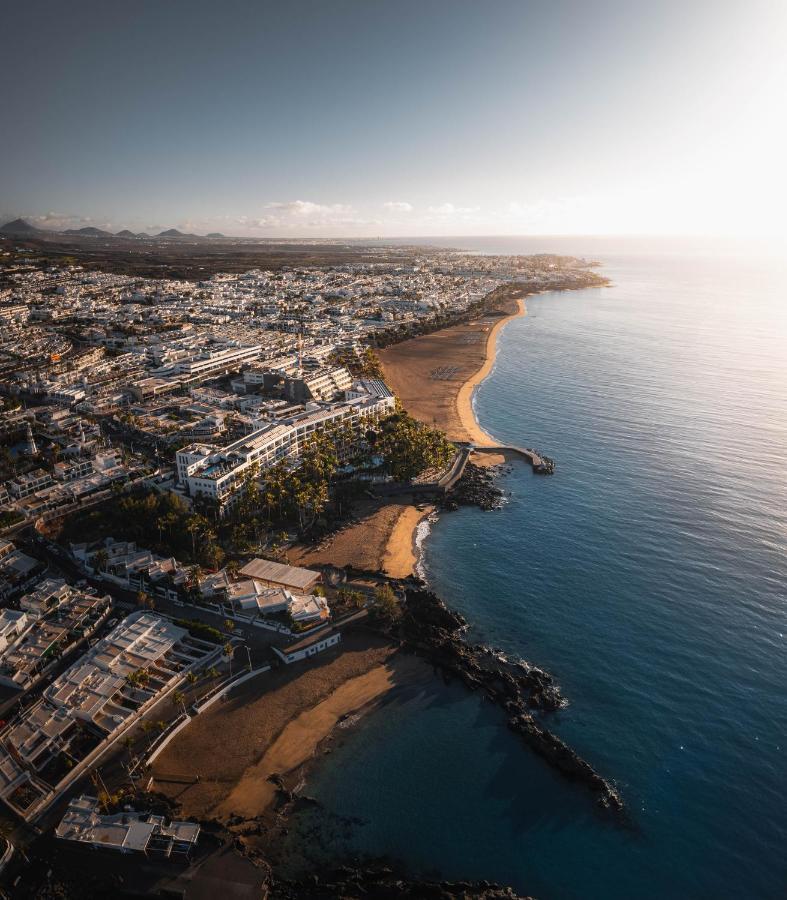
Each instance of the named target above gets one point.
<point>362,118</point>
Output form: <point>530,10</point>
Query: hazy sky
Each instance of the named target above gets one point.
<point>363,117</point>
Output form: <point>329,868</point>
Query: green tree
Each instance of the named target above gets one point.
<point>385,604</point>
<point>409,447</point>
<point>180,698</point>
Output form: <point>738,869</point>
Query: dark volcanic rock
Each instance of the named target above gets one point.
<point>432,630</point>
<point>477,487</point>
<point>383,882</point>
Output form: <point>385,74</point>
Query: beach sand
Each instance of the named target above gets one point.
<point>301,738</point>
<point>383,537</point>
<point>435,375</point>
<point>232,737</point>
<point>275,723</point>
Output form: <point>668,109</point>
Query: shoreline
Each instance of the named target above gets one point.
<point>404,547</point>
<point>299,743</point>
<point>464,399</point>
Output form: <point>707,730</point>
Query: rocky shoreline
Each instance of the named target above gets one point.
<point>370,881</point>
<point>476,487</point>
<point>433,631</point>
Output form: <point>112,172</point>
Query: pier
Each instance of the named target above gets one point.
<point>541,464</point>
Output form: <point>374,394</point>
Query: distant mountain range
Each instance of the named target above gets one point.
<point>89,231</point>
<point>18,226</point>
<point>21,228</point>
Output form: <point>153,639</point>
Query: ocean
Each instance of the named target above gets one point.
<point>648,575</point>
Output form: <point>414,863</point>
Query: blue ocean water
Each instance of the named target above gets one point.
<point>649,575</point>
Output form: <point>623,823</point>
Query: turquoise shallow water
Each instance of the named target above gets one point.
<point>649,575</point>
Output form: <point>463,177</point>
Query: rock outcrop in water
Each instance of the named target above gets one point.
<point>383,882</point>
<point>476,487</point>
<point>432,630</point>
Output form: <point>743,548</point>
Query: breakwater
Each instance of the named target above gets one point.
<point>540,462</point>
<point>428,627</point>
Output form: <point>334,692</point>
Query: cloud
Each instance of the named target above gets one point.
<point>305,214</point>
<point>309,213</point>
<point>450,211</point>
<point>59,221</point>
<point>399,206</point>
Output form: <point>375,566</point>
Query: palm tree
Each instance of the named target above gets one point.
<point>147,727</point>
<point>192,528</point>
<point>100,560</point>
<point>191,677</point>
<point>228,653</point>
<point>180,698</point>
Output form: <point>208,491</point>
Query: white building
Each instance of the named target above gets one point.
<point>309,646</point>
<point>91,704</point>
<point>216,473</point>
<point>126,832</point>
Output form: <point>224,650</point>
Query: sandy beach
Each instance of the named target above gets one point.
<point>231,738</point>
<point>276,723</point>
<point>382,537</point>
<point>302,737</point>
<point>435,375</point>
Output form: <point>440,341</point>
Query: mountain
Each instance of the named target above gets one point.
<point>172,232</point>
<point>125,233</point>
<point>215,234</point>
<point>20,227</point>
<point>88,231</point>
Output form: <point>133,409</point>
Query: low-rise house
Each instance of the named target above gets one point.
<point>46,637</point>
<point>132,567</point>
<point>27,484</point>
<point>18,571</point>
<point>125,832</point>
<point>308,608</point>
<point>13,624</point>
<point>250,595</point>
<point>275,574</point>
<point>311,645</point>
<point>48,594</point>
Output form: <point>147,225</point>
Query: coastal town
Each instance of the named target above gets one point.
<point>209,491</point>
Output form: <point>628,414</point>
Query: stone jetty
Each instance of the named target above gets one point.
<point>432,630</point>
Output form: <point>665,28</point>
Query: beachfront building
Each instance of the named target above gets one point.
<point>217,473</point>
<point>275,574</point>
<point>126,832</point>
<point>91,704</point>
<point>252,596</point>
<point>314,643</point>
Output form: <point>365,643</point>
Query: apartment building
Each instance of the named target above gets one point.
<point>89,706</point>
<point>217,473</point>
